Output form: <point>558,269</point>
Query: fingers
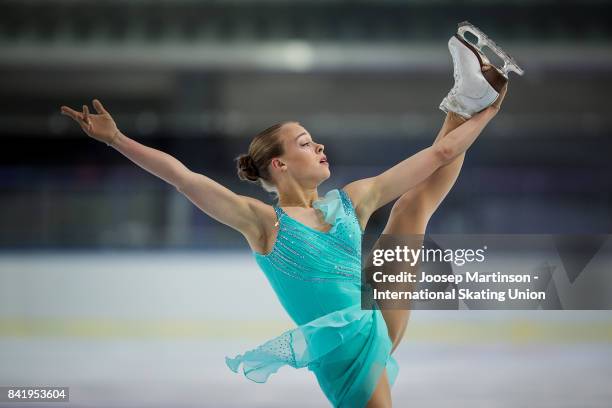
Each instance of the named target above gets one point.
<point>71,112</point>
<point>86,114</point>
<point>98,107</point>
<point>504,89</point>
<point>500,97</point>
<point>77,116</point>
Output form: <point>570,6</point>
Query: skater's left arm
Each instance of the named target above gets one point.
<point>371,193</point>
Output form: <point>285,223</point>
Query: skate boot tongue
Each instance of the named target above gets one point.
<point>476,52</point>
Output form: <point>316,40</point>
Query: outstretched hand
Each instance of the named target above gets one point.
<point>502,94</point>
<point>101,127</point>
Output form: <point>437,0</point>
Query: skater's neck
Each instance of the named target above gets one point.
<point>296,196</point>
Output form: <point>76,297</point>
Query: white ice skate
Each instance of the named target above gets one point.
<point>474,91</point>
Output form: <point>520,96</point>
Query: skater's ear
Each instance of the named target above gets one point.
<point>277,163</point>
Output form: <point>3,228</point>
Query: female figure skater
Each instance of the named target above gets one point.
<point>309,247</point>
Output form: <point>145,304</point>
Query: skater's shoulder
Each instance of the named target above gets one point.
<point>263,227</point>
<point>261,211</point>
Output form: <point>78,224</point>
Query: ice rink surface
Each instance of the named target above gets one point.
<point>153,330</point>
<point>193,374</point>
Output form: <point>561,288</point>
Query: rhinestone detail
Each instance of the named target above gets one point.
<point>298,246</point>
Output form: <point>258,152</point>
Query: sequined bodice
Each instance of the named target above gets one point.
<point>315,272</point>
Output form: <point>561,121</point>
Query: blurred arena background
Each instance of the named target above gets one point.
<point>113,283</point>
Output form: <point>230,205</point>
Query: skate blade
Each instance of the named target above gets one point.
<point>483,40</point>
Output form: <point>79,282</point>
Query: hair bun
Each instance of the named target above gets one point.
<point>247,169</point>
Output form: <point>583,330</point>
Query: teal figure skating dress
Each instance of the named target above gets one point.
<point>317,278</point>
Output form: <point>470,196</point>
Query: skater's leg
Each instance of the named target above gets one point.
<point>429,194</point>
<point>381,397</point>
<point>410,215</point>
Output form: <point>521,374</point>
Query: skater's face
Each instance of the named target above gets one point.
<point>304,159</point>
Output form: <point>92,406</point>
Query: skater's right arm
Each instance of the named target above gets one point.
<point>371,193</point>
<point>242,213</point>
